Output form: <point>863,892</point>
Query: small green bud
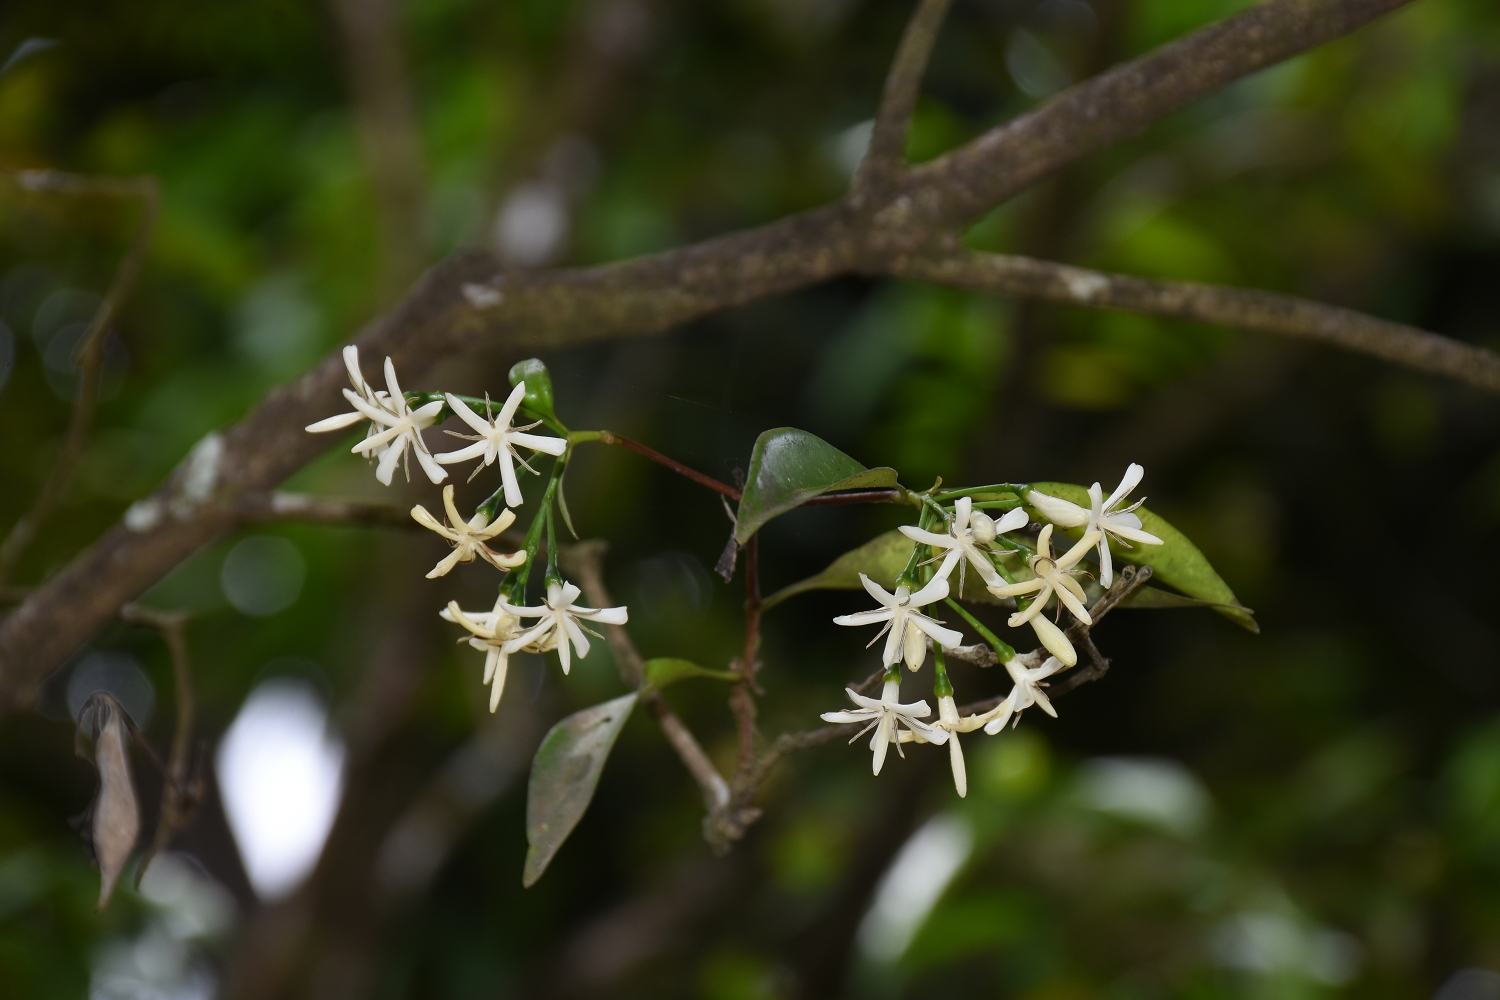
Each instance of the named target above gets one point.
<point>538,381</point>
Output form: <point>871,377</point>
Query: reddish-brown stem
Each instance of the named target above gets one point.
<point>854,496</point>
<point>742,699</point>
<point>608,437</point>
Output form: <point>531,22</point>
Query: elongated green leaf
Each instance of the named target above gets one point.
<point>1176,562</point>
<point>788,467</point>
<point>881,559</point>
<point>564,774</point>
<point>665,670</point>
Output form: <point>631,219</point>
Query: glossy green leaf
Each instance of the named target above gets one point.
<point>788,467</point>
<point>564,774</point>
<point>538,398</point>
<point>881,559</point>
<point>1177,562</point>
<point>665,670</point>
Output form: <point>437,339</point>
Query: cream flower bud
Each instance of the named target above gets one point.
<point>982,526</point>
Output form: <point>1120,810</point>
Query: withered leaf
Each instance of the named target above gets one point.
<point>117,815</point>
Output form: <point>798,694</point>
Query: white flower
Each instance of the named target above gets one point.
<point>950,721</point>
<point>497,441</point>
<point>1026,692</point>
<point>558,621</point>
<point>1053,576</point>
<point>907,626</point>
<point>490,632</point>
<point>968,531</point>
<point>468,537</point>
<point>886,715</point>
<point>1102,516</point>
<point>394,426</point>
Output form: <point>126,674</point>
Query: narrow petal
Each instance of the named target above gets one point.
<point>1073,604</point>
<point>351,363</point>
<point>507,414</point>
<point>926,537</point>
<point>513,495</point>
<point>842,718</point>
<point>1068,559</point>
<point>580,640</point>
<point>893,641</point>
<point>945,637</point>
<point>963,508</point>
<point>864,617</point>
<point>502,664</point>
<point>1131,480</point>
<point>938,588</point>
<point>1043,702</point>
<point>468,416</point>
<point>454,518</point>
<point>1106,565</point>
<point>1018,589</point>
<point>609,616</point>
<point>449,561</point>
<point>875,590</point>
<point>335,423</point>
<point>426,520</point>
<point>1013,519</point>
<point>388,459</point>
<point>996,724</point>
<point>1132,534</point>
<point>1040,602</point>
<point>984,567</point>
<point>537,442</point>
<point>391,385</point>
<point>461,455</point>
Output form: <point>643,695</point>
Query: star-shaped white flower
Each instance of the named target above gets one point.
<point>394,426</point>
<point>490,632</point>
<point>908,628</point>
<point>1102,516</point>
<point>1052,576</point>
<point>951,722</point>
<point>497,440</point>
<point>1026,692</point>
<point>558,621</point>
<point>969,530</point>
<point>468,537</point>
<point>887,715</point>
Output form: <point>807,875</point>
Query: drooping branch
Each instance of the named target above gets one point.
<point>903,84</point>
<point>466,300</point>
<point>1242,308</point>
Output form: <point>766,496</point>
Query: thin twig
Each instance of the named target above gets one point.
<point>89,354</point>
<point>1242,308</point>
<point>609,437</point>
<point>903,84</point>
<point>182,787</point>
<point>584,563</point>
<point>303,507</point>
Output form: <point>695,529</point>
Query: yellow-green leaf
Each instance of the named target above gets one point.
<point>1177,562</point>
<point>881,559</point>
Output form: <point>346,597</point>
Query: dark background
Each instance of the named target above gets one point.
<point>1345,763</point>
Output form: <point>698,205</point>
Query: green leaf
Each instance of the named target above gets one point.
<point>564,774</point>
<point>881,559</point>
<point>538,398</point>
<point>1176,562</point>
<point>665,670</point>
<point>1154,598</point>
<point>788,467</point>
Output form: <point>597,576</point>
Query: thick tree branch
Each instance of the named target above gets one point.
<point>1242,308</point>
<point>466,300</point>
<point>903,84</point>
<point>967,182</point>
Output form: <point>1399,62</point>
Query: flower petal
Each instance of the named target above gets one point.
<point>335,423</point>
<point>1057,510</point>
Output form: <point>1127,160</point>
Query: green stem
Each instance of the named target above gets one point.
<point>942,687</point>
<point>515,585</point>
<point>1019,489</point>
<point>1002,648</point>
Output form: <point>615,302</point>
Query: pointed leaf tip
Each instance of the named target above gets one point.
<point>788,467</point>
<point>117,815</point>
<point>564,774</point>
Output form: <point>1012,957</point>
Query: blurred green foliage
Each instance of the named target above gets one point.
<point>1311,812</point>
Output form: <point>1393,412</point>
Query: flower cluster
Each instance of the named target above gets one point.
<point>973,539</point>
<point>395,432</point>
